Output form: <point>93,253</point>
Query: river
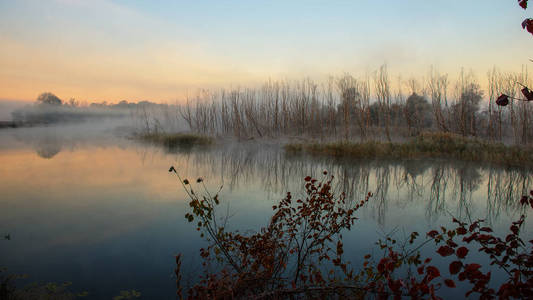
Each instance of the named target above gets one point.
<point>100,210</point>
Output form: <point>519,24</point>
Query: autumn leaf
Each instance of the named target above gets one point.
<point>455,267</point>
<point>522,3</point>
<point>432,272</point>
<point>527,93</point>
<point>461,230</point>
<point>445,251</point>
<point>433,233</point>
<point>462,252</point>
<point>472,267</point>
<point>449,283</point>
<point>528,24</point>
<point>503,100</point>
<point>420,270</point>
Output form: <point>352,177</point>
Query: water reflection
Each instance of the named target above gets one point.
<point>443,187</point>
<point>47,147</point>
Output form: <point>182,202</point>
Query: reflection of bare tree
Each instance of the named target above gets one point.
<point>436,185</point>
<point>437,198</point>
<point>413,173</point>
<point>503,188</point>
<point>495,194</point>
<point>466,180</point>
<point>380,196</point>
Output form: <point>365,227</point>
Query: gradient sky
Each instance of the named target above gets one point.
<point>99,50</point>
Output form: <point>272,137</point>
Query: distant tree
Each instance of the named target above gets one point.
<point>73,102</point>
<point>466,109</point>
<point>48,99</point>
<point>417,112</point>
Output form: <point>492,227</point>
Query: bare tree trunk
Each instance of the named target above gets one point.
<point>383,94</point>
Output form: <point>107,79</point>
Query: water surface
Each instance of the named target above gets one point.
<point>102,211</point>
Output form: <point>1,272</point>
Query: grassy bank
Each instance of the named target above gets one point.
<point>172,140</point>
<point>432,145</point>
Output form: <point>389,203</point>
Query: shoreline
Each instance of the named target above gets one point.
<point>429,145</point>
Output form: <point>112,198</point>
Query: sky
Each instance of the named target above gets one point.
<point>162,51</point>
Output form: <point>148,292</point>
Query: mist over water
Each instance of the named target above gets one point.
<point>8,106</point>
<point>83,200</point>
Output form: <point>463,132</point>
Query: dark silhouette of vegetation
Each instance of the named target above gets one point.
<point>44,291</point>
<point>49,99</point>
<point>174,140</point>
<point>302,235</point>
<point>49,109</point>
<point>47,291</point>
<point>299,254</point>
<point>418,113</point>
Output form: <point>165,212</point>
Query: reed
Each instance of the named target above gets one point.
<point>367,108</point>
<point>432,145</point>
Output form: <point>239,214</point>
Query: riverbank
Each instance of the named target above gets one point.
<point>432,145</point>
<point>16,124</point>
<point>175,139</point>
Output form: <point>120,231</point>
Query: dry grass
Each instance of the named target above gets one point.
<point>433,145</point>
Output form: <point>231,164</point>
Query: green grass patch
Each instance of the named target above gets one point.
<point>431,145</point>
<point>172,140</point>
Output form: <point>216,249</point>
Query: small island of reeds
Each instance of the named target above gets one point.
<point>432,145</point>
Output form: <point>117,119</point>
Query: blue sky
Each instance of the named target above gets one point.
<point>163,50</point>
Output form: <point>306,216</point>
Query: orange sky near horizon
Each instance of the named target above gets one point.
<point>112,50</point>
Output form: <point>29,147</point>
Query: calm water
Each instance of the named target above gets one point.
<point>96,209</point>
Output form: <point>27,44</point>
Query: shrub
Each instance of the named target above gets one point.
<point>299,254</point>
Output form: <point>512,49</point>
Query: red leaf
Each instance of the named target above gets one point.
<point>461,230</point>
<point>420,270</point>
<point>449,283</point>
<point>462,252</point>
<point>455,267</point>
<point>308,178</point>
<point>527,93</point>
<point>432,272</point>
<point>486,229</point>
<point>462,276</point>
<point>470,238</point>
<point>472,267</point>
<point>445,251</point>
<point>451,243</point>
<point>524,200</point>
<point>433,233</point>
<point>528,24</point>
<point>522,3</point>
<point>503,100</point>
